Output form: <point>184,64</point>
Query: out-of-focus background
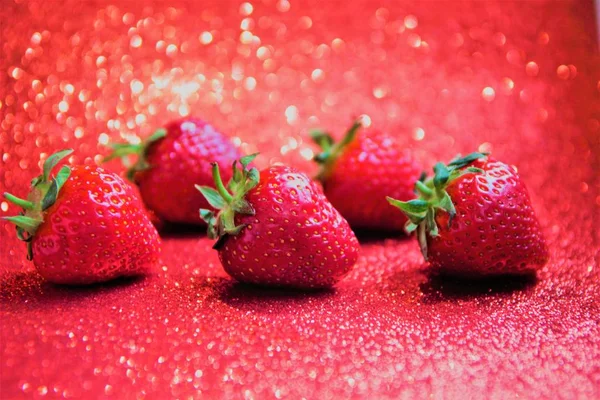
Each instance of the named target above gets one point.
<point>519,79</point>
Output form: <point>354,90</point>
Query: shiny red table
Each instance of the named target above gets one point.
<point>519,79</point>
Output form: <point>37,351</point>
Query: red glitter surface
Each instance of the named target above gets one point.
<point>520,79</point>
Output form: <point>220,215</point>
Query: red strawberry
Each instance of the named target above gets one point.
<point>171,161</point>
<point>474,218</point>
<point>84,225</point>
<point>280,231</point>
<point>371,165</point>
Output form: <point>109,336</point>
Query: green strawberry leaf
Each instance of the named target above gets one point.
<point>52,161</point>
<point>475,170</point>
<point>442,174</point>
<point>122,150</point>
<point>319,137</point>
<point>245,161</point>
<point>415,210</point>
<point>229,203</point>
<point>35,181</point>
<point>157,135</point>
<point>237,175</point>
<point>410,227</point>
<point>27,205</point>
<point>206,215</point>
<point>235,230</point>
<point>62,176</point>
<point>253,179</point>
<point>445,203</point>
<point>26,223</point>
<point>325,141</point>
<point>51,194</point>
<point>423,189</point>
<point>243,207</point>
<point>432,227</point>
<point>416,206</point>
<point>209,217</point>
<point>331,151</point>
<point>460,162</point>
<point>21,235</point>
<point>212,196</point>
<point>321,158</point>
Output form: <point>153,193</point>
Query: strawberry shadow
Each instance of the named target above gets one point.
<point>247,297</point>
<point>172,230</point>
<point>366,236</point>
<point>440,287</point>
<point>28,290</point>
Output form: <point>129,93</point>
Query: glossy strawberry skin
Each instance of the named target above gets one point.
<point>495,230</point>
<point>296,238</point>
<point>96,230</point>
<point>178,162</point>
<point>372,167</point>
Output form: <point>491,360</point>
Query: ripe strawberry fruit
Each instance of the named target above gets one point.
<point>373,164</point>
<point>84,225</point>
<point>171,161</point>
<point>277,228</point>
<point>474,218</point>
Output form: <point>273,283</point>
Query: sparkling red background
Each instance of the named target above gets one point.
<point>520,79</point>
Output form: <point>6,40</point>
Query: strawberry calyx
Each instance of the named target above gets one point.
<point>124,150</point>
<point>44,192</point>
<point>421,212</point>
<point>331,150</point>
<point>228,200</point>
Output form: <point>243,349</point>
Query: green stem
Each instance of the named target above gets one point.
<point>219,183</point>
<point>27,205</point>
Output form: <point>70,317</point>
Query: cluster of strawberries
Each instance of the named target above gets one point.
<point>276,227</point>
